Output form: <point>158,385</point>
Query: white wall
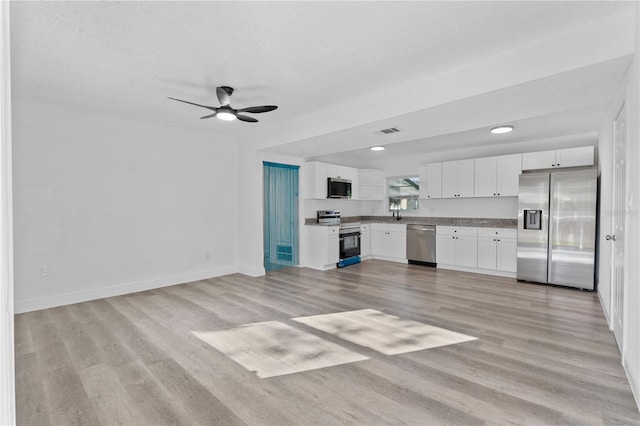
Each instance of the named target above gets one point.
<point>631,352</point>
<point>110,206</point>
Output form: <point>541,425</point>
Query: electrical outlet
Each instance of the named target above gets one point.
<point>44,271</point>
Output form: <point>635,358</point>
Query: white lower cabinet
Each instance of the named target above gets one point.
<point>389,241</point>
<point>457,246</point>
<point>490,251</point>
<point>323,246</point>
<point>365,240</point>
<point>497,249</point>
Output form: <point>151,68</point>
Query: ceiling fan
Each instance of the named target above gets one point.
<point>225,112</point>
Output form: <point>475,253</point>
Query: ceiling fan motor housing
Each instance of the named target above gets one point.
<point>227,89</point>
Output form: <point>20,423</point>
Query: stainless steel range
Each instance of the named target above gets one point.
<point>349,236</point>
<point>349,244</point>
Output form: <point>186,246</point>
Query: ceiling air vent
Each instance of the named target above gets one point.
<point>389,130</point>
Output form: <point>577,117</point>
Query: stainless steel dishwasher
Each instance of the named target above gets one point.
<point>421,244</point>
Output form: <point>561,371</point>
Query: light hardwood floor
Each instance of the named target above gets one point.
<point>544,355</point>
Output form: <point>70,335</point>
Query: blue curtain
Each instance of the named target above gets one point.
<point>280,215</point>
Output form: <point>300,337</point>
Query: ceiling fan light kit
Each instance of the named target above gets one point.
<point>225,112</point>
<point>226,116</point>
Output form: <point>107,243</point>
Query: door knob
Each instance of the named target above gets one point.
<point>610,237</point>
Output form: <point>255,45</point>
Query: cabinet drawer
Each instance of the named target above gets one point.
<point>396,228</point>
<point>465,231</point>
<point>378,226</point>
<point>498,232</point>
<point>333,230</point>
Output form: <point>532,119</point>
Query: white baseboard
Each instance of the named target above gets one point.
<point>605,311</point>
<point>251,272</point>
<point>117,290</point>
<point>633,383</point>
<point>389,259</point>
<point>477,270</point>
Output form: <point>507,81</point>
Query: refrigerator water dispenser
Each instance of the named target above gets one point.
<point>533,219</point>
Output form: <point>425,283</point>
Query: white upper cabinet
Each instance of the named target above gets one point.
<point>431,180</point>
<point>538,160</point>
<point>371,184</point>
<point>457,178</point>
<point>574,157</point>
<point>316,179</point>
<point>508,175</point>
<point>569,157</point>
<point>497,176</point>
<point>317,174</point>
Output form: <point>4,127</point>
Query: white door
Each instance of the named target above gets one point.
<point>619,208</point>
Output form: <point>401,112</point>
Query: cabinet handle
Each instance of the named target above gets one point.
<point>498,240</point>
<point>558,164</point>
<point>498,193</point>
<point>494,193</point>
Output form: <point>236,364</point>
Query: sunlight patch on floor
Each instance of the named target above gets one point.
<point>272,348</point>
<point>384,333</point>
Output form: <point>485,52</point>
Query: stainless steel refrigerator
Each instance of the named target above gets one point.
<point>557,227</point>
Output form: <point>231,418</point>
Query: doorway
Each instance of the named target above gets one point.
<point>280,215</point>
<point>619,209</point>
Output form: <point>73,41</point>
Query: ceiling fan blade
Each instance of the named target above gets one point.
<point>247,119</point>
<point>258,109</point>
<point>191,103</point>
<point>209,116</point>
<point>223,96</point>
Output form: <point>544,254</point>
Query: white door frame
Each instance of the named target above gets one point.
<point>7,374</point>
<point>618,283</point>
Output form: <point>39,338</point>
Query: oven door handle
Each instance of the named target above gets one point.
<point>350,234</point>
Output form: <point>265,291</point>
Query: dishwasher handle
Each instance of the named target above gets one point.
<point>427,228</point>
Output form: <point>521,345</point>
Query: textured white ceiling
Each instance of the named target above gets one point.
<point>125,58</point>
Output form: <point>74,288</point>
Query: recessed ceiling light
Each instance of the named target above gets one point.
<point>378,148</point>
<point>501,129</point>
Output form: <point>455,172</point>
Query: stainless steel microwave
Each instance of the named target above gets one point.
<point>338,188</point>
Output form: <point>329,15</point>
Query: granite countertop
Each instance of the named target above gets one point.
<point>421,220</point>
